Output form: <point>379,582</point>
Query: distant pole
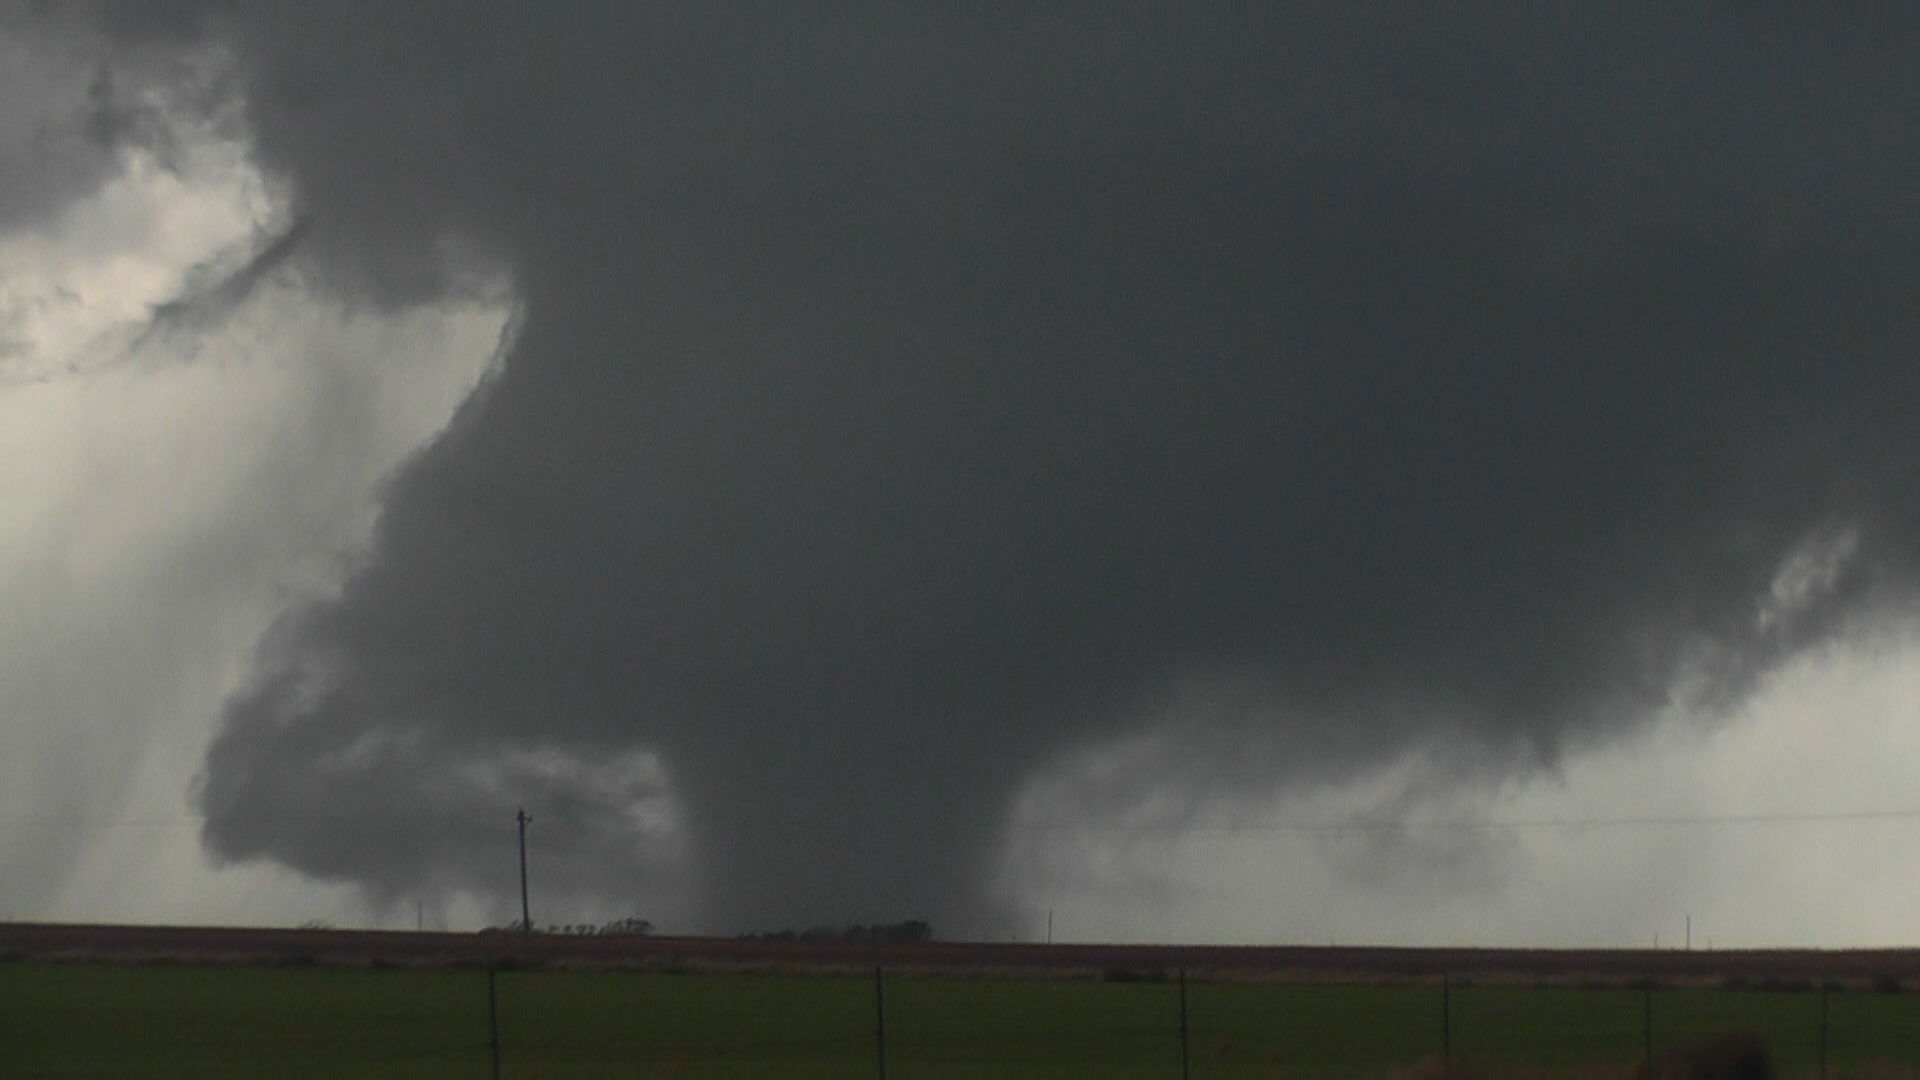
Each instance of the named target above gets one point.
<point>1689,933</point>
<point>880,1016</point>
<point>1446,1017</point>
<point>1183,1024</point>
<point>526,919</point>
<point>1049,926</point>
<point>493,1022</point>
<point>419,915</point>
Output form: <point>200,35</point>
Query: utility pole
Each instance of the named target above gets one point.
<point>526,920</point>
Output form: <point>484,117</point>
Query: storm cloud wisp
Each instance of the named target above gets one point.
<point>903,399</point>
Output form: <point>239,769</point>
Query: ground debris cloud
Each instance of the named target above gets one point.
<point>902,397</point>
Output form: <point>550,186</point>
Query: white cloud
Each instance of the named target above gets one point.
<point>1835,731</point>
<point>161,498</point>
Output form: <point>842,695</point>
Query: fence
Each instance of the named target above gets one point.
<point>184,1020</point>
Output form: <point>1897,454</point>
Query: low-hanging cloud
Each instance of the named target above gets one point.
<point>904,397</point>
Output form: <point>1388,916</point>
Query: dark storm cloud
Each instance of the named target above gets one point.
<point>57,129</point>
<point>905,396</point>
<point>70,107</point>
<point>215,291</point>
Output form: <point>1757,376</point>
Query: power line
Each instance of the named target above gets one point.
<point>1361,825</point>
<point>1477,825</point>
<point>125,823</point>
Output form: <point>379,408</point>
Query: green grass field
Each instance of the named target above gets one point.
<point>194,1021</point>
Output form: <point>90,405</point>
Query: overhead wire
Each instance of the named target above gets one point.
<point>1313,826</point>
<point>1475,824</point>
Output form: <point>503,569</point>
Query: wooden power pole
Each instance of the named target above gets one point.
<point>526,919</point>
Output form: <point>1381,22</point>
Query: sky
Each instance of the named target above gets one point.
<point>1355,473</point>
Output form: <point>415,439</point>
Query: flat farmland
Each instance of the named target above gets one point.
<point>342,1005</point>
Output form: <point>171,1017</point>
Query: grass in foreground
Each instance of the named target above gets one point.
<point>179,1021</point>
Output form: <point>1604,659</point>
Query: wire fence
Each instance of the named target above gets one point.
<point>522,1023</point>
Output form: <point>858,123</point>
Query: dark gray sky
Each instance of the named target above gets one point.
<point>902,400</point>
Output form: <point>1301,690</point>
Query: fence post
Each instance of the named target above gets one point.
<point>493,1022</point>
<point>1183,1024</point>
<point>1446,1017</point>
<point>880,1017</point>
<point>1823,1031</point>
<point>1649,1031</point>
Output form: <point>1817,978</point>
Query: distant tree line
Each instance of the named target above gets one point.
<point>906,932</point>
<point>628,927</point>
<point>912,930</point>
